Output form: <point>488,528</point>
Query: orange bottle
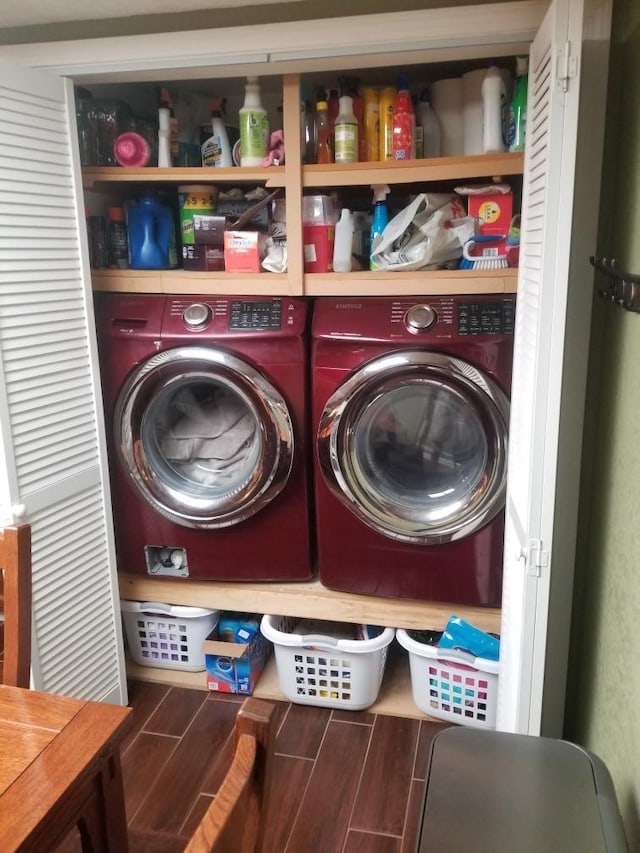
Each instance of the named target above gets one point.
<point>385,122</point>
<point>371,123</point>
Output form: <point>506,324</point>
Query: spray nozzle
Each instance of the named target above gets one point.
<point>380,192</point>
<point>218,106</point>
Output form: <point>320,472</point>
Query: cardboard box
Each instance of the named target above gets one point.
<point>235,654</point>
<point>243,251</point>
<point>200,257</point>
<point>493,211</point>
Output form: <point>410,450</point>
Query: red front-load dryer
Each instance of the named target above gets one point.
<point>410,416</point>
<point>205,401</point>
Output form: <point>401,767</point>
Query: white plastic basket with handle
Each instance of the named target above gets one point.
<point>318,669</point>
<point>167,635</point>
<point>450,684</point>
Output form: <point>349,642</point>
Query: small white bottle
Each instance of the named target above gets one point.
<point>216,150</point>
<point>254,126</point>
<point>494,105</point>
<point>343,242</point>
<point>428,120</point>
<point>164,138</point>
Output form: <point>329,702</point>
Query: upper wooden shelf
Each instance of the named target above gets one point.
<point>414,171</point>
<point>274,176</point>
<point>331,175</point>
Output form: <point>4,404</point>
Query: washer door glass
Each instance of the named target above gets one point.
<point>415,444</point>
<point>205,438</point>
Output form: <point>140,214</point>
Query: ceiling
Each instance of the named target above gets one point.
<point>35,12</point>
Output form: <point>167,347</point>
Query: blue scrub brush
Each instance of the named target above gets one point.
<point>484,252</point>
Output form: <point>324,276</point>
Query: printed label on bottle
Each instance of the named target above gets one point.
<point>212,152</point>
<point>346,143</point>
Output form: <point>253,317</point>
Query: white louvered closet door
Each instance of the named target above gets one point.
<point>538,363</point>
<point>51,428</point>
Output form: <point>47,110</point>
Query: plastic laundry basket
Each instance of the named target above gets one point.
<point>167,635</point>
<point>450,684</point>
<point>318,669</point>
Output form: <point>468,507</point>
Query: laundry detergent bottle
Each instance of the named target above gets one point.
<point>151,234</point>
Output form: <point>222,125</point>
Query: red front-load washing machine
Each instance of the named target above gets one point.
<point>410,415</point>
<point>205,401</point>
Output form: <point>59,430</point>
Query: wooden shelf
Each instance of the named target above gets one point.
<point>309,599</point>
<point>413,171</point>
<point>394,700</point>
<point>182,281</point>
<point>425,282</point>
<point>274,176</point>
<point>438,282</point>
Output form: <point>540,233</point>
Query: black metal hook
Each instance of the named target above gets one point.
<point>622,288</point>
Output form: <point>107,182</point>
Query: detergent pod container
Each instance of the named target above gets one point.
<point>151,233</point>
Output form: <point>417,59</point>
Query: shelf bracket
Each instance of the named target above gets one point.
<point>622,288</point>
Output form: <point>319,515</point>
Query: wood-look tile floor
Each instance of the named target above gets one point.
<point>344,782</point>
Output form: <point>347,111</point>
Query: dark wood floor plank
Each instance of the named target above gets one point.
<point>196,814</point>
<point>142,765</point>
<point>363,717</point>
<point>144,698</point>
<point>414,813</point>
<point>367,842</point>
<point>176,711</point>
<point>155,842</point>
<point>323,819</point>
<point>179,784</point>
<point>381,802</point>
<point>302,731</point>
<point>290,779</point>
<point>428,730</point>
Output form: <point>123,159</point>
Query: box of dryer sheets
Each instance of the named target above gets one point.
<point>235,653</point>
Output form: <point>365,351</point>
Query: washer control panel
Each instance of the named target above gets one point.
<point>250,314</point>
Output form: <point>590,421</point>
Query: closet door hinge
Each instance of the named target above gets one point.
<point>566,66</point>
<point>537,558</point>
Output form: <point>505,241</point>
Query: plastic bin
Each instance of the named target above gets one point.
<point>166,635</point>
<point>449,684</point>
<point>319,669</point>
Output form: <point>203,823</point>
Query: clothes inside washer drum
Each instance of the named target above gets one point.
<point>211,441</point>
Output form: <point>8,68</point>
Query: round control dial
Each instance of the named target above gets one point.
<point>197,315</point>
<point>419,318</point>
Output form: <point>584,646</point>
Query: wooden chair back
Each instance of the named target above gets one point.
<point>234,821</point>
<point>15,604</point>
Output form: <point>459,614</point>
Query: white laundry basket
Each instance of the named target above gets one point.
<point>167,635</point>
<point>449,684</point>
<point>320,669</point>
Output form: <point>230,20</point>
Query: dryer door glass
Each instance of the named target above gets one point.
<point>415,444</point>
<point>203,436</point>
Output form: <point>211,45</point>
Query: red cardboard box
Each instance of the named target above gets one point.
<point>243,251</point>
<point>493,211</point>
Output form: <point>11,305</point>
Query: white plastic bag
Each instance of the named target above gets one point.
<point>428,233</point>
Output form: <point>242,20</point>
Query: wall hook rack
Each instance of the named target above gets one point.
<point>622,288</point>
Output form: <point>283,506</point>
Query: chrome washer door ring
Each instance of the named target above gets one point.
<point>414,443</point>
<point>204,437</point>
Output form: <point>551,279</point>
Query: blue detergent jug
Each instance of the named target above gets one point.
<point>151,232</point>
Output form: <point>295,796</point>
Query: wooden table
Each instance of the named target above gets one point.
<point>60,769</point>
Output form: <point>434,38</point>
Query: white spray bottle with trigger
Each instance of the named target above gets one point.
<point>216,150</point>
<point>379,219</point>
